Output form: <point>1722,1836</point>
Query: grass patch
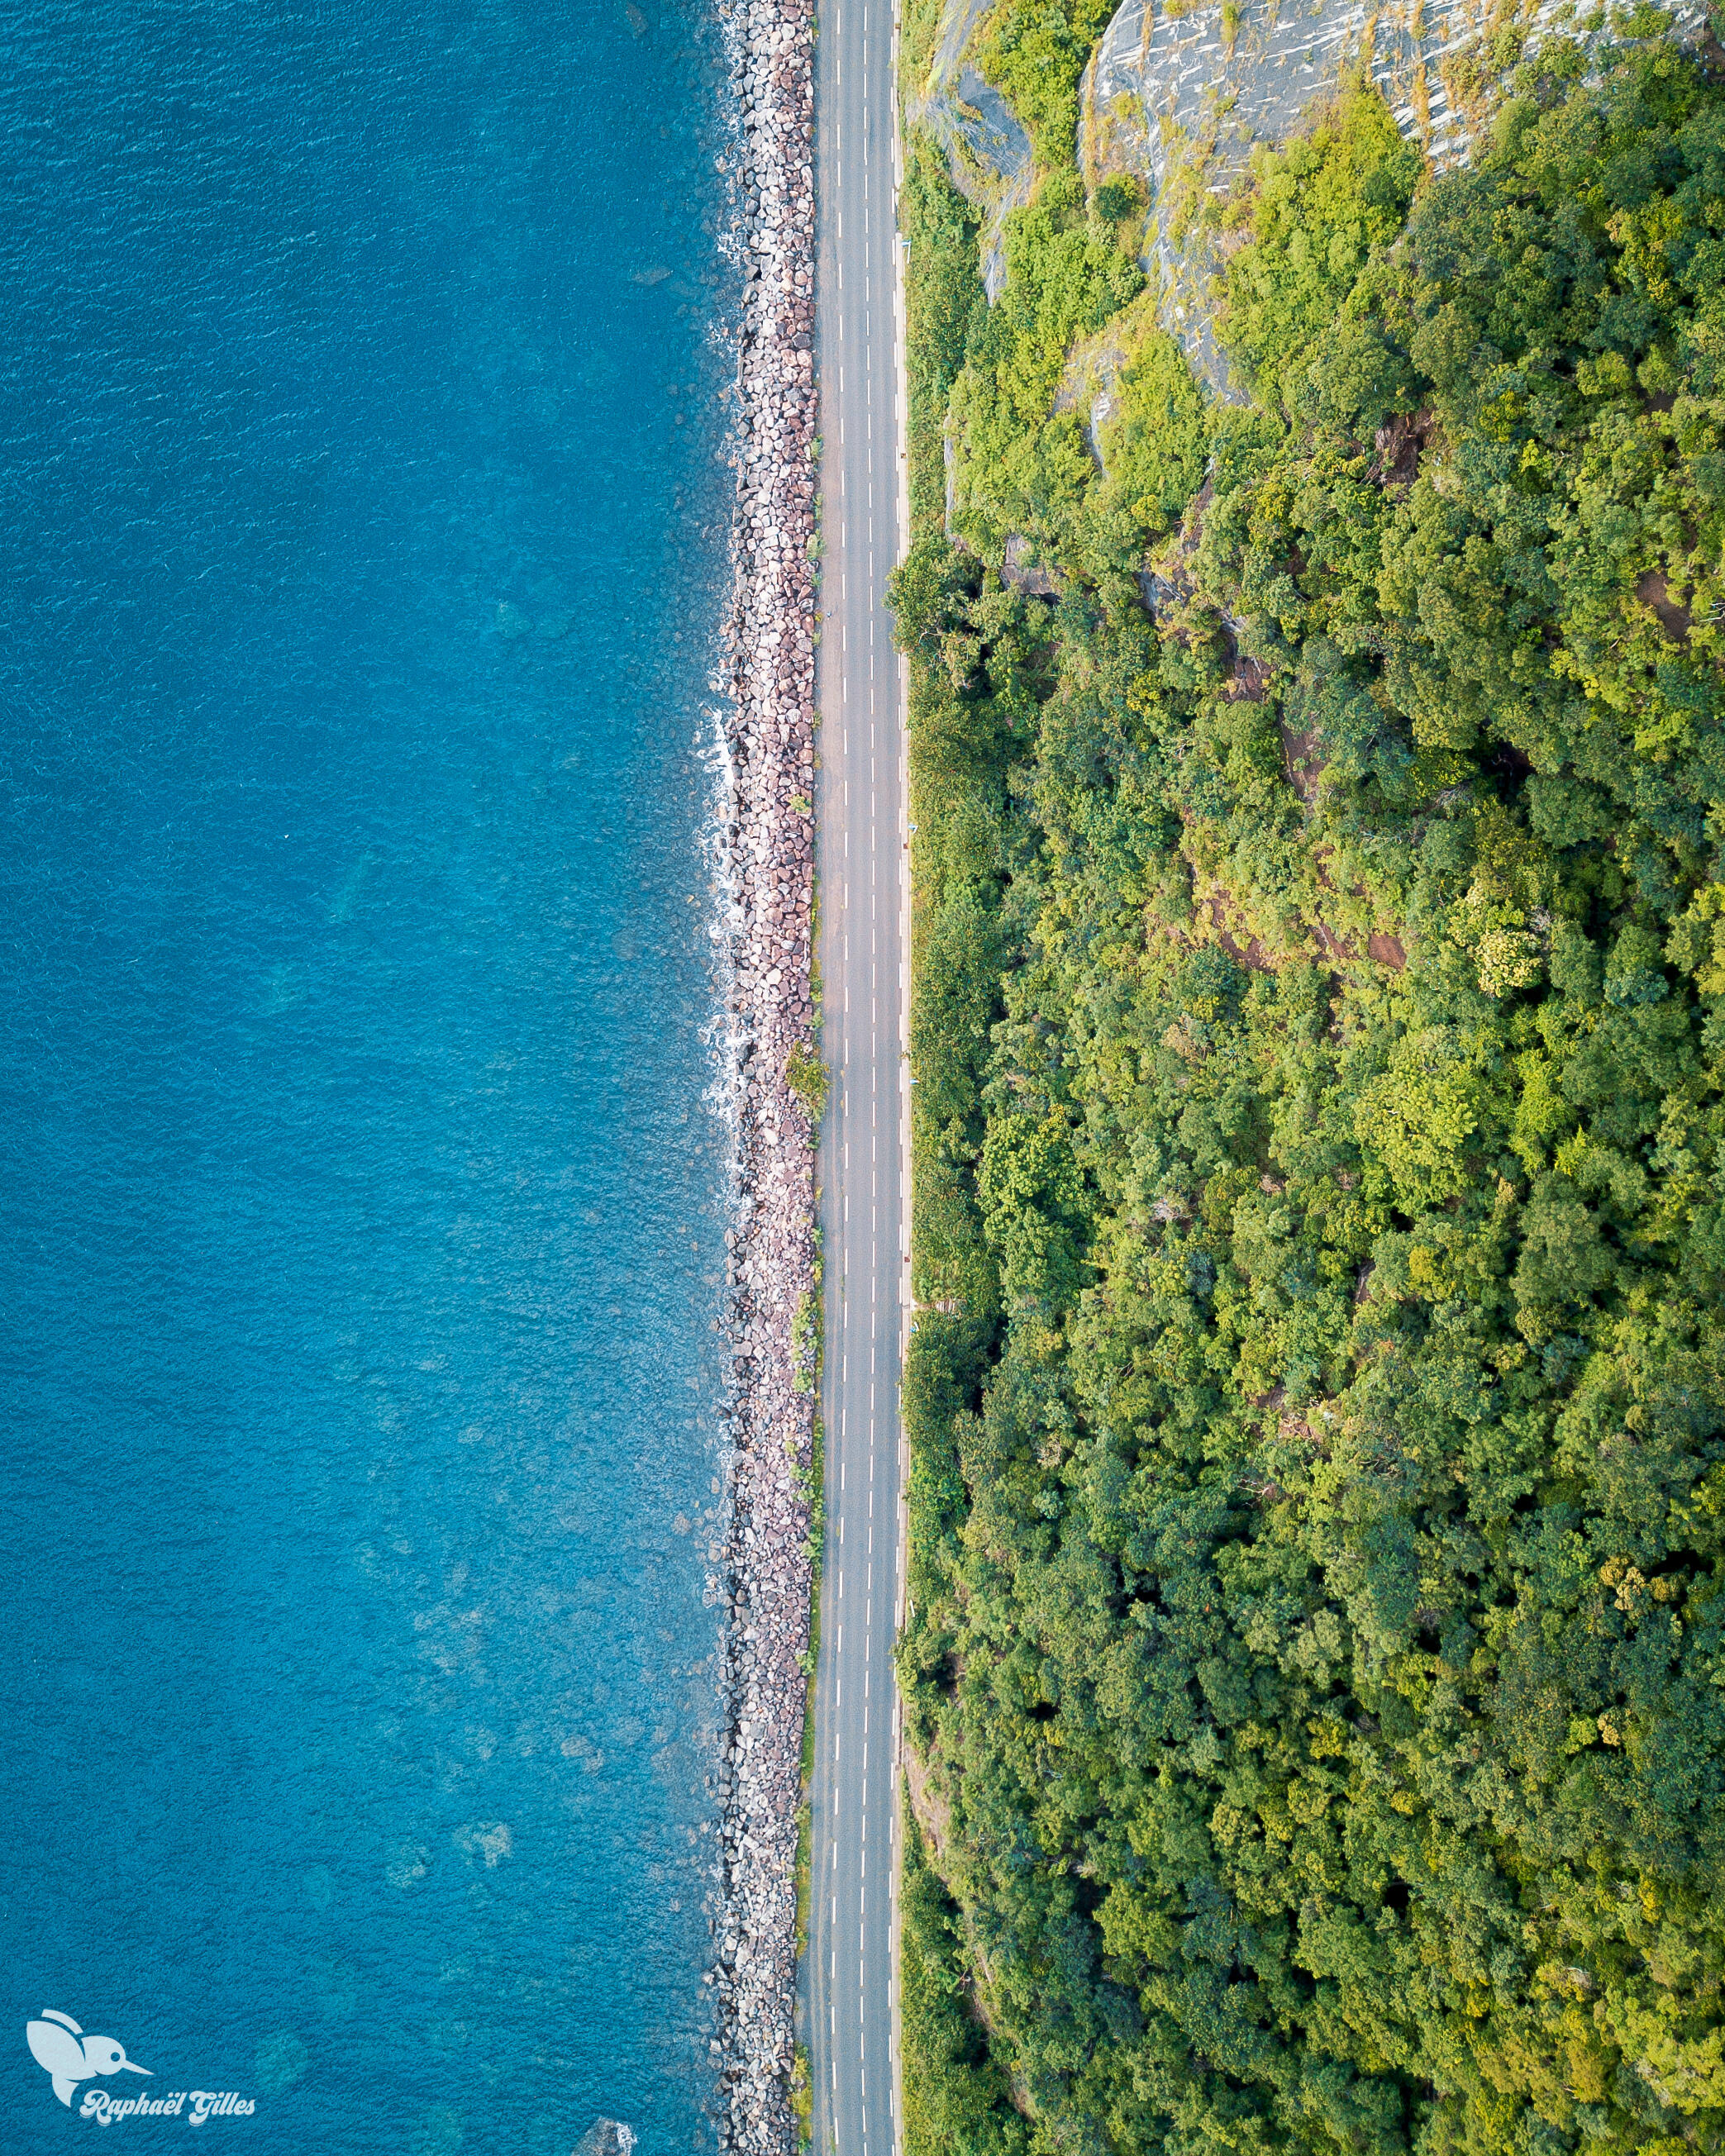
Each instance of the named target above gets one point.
<point>803,2097</point>
<point>806,1075</point>
<point>807,1344</point>
<point>812,1482</point>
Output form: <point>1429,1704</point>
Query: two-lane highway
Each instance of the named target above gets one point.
<point>862,828</point>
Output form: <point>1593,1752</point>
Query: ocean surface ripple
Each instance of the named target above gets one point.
<point>364,549</point>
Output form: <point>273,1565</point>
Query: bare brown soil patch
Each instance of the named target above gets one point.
<point>1674,616</point>
<point>1399,446</point>
<point>1303,763</point>
<point>1248,684</point>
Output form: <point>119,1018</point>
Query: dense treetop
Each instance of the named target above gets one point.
<point>1316,1669</point>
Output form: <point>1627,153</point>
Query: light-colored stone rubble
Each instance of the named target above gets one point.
<point>769,643</point>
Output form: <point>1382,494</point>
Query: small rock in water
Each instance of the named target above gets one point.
<point>605,2137</point>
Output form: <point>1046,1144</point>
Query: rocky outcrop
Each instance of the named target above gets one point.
<point>769,643</point>
<point>606,2136</point>
<point>986,145</point>
<point>1179,95</point>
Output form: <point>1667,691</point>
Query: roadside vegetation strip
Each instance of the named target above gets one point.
<point>773,1262</point>
<point>802,2083</point>
<point>1313,1681</point>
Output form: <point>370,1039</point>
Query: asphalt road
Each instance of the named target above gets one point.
<point>851,1989</point>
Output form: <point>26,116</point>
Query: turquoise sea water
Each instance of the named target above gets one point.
<point>361,559</point>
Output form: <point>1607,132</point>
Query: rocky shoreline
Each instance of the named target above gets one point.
<point>769,667</point>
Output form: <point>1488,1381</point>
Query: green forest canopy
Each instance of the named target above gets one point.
<point>1316,1669</point>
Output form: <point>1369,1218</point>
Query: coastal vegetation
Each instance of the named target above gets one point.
<point>1315,1675</point>
<point>806,1075</point>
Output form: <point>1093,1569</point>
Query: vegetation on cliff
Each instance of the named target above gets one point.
<point>1317,1667</point>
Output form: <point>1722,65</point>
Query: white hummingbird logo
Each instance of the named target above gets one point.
<point>58,2044</point>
